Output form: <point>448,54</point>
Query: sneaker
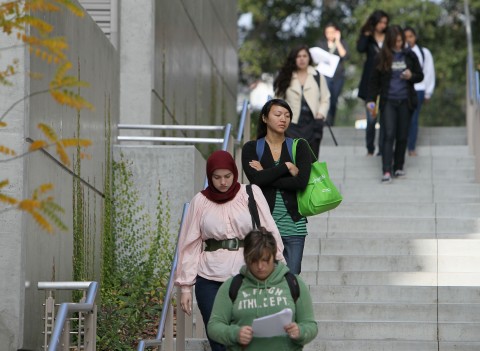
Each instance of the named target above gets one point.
<point>387,177</point>
<point>400,173</point>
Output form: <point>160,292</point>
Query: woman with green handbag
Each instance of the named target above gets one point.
<point>268,163</point>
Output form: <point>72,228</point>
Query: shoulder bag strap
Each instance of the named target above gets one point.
<point>252,206</point>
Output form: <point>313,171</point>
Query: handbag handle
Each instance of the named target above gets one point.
<point>252,206</point>
<point>294,150</point>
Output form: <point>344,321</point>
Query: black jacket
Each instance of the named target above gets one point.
<point>368,45</point>
<point>274,177</point>
<point>380,81</point>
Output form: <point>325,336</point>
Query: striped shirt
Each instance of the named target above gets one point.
<point>286,225</point>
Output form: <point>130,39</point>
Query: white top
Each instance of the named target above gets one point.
<point>428,82</point>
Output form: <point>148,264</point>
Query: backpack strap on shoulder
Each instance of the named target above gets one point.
<point>235,286</point>
<point>293,285</point>
<point>289,276</point>
<point>289,142</point>
<point>260,146</point>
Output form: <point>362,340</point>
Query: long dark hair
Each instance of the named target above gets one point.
<point>373,20</point>
<point>282,82</point>
<point>386,54</point>
<point>261,125</point>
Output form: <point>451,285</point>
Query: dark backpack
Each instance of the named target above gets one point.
<point>290,277</point>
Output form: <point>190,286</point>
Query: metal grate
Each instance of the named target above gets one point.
<point>100,11</point>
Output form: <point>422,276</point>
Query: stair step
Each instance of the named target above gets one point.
<point>375,294</point>
<point>395,293</point>
<point>384,345</point>
<point>392,278</point>
<point>381,330</point>
<point>405,263</point>
<point>374,312</point>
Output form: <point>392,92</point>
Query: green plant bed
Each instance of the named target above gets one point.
<point>135,273</point>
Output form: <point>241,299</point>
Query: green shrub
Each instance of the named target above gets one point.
<point>135,273</point>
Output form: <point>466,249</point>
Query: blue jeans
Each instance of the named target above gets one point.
<point>413,131</point>
<point>205,292</point>
<point>335,86</point>
<point>293,252</point>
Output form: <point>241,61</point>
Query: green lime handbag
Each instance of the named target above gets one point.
<point>320,195</point>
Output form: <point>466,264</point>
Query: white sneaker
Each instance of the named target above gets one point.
<point>387,177</point>
<point>400,173</point>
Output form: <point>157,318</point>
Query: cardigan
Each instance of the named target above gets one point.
<point>278,177</point>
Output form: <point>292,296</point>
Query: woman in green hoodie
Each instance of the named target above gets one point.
<point>264,291</point>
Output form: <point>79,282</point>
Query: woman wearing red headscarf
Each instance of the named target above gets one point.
<point>211,241</point>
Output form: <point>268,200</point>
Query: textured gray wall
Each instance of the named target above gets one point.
<point>30,254</point>
<point>179,63</point>
<point>136,60</point>
<point>11,254</point>
<point>196,63</point>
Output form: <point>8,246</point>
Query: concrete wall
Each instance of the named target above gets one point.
<point>179,63</point>
<point>136,23</point>
<point>180,170</point>
<point>196,65</point>
<point>12,279</point>
<point>28,254</point>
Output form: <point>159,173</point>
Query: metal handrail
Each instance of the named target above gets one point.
<point>169,127</point>
<point>241,124</point>
<point>192,140</point>
<point>69,307</point>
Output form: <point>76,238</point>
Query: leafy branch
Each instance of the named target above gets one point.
<point>40,205</point>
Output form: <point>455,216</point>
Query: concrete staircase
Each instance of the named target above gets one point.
<point>397,266</point>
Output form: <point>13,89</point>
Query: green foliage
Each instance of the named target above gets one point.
<point>439,25</point>
<point>139,266</point>
<point>265,47</point>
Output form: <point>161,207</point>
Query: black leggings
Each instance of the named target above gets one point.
<point>395,120</point>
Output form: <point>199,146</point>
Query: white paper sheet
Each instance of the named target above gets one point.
<point>272,325</point>
<point>326,62</point>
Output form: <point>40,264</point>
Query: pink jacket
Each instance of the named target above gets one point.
<point>208,220</point>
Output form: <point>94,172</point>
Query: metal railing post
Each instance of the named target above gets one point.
<point>65,337</point>
<point>182,333</point>
<point>49,319</point>
<point>60,336</point>
<point>90,338</point>
<point>169,329</point>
